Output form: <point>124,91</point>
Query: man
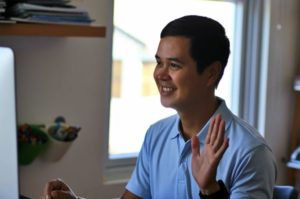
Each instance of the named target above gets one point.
<point>204,151</point>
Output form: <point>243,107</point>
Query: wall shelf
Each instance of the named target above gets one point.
<point>52,30</point>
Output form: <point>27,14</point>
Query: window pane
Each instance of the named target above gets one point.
<point>135,101</point>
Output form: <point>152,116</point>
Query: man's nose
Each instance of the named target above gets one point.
<point>162,72</point>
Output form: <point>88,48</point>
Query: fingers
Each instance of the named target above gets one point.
<point>195,146</point>
<point>219,135</point>
<point>216,133</point>
<point>223,148</point>
<point>53,185</point>
<point>211,126</point>
<point>49,187</point>
<point>61,185</point>
<point>215,130</point>
<point>61,194</point>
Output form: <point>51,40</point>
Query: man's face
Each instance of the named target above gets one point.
<point>179,84</point>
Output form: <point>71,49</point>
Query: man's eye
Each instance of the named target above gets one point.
<point>158,64</point>
<point>173,65</point>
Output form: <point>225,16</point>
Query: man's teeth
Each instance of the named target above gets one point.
<point>167,89</point>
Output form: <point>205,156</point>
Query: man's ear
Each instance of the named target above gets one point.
<point>214,71</point>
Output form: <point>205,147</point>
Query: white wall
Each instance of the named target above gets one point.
<point>70,77</point>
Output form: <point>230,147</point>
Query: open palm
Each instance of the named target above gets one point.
<point>205,163</point>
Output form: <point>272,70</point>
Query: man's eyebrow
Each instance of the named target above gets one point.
<point>170,59</point>
<point>175,59</point>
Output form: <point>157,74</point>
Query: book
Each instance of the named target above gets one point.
<point>32,13</point>
<point>31,20</point>
<point>4,20</point>
<point>25,7</point>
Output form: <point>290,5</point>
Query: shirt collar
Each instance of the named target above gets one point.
<point>176,128</point>
<point>226,115</point>
<point>222,109</point>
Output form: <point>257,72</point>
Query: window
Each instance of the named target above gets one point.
<point>134,98</point>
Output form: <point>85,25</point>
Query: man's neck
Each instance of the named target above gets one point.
<point>193,121</point>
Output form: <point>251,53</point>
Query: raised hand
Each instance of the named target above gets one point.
<point>205,163</point>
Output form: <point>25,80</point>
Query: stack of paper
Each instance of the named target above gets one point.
<point>51,3</point>
<point>48,11</point>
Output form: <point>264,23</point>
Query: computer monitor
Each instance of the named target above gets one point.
<point>9,178</point>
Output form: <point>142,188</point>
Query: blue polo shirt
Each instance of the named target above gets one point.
<point>163,168</point>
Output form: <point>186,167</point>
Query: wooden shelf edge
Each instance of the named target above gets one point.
<point>55,30</point>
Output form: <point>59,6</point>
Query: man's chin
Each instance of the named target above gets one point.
<point>166,104</point>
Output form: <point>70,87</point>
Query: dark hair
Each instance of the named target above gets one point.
<point>208,40</point>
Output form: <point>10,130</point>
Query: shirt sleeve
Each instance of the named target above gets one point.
<point>255,176</point>
<point>139,183</point>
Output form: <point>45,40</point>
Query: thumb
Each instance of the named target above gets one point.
<point>195,146</point>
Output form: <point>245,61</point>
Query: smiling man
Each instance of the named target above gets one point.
<point>191,58</point>
<point>204,151</point>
